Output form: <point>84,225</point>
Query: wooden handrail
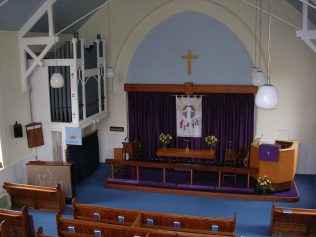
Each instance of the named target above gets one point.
<point>180,166</point>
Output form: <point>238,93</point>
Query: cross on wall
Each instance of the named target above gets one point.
<point>189,57</point>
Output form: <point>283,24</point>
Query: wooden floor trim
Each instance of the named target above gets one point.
<point>205,194</point>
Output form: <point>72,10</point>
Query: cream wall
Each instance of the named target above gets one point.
<point>14,105</point>
<point>292,63</point>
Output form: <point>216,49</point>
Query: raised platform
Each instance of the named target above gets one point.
<point>290,196</point>
<point>192,179</point>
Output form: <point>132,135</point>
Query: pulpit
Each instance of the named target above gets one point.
<point>277,161</point>
<point>130,151</point>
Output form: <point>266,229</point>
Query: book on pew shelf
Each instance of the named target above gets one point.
<point>71,229</point>
<point>120,219</point>
<point>96,215</point>
<point>97,233</point>
<point>150,221</point>
<point>176,224</point>
<point>214,228</point>
<point>287,211</point>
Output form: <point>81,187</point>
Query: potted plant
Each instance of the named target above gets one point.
<point>264,184</point>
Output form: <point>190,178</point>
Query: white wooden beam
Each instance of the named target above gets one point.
<point>308,36</point>
<point>25,41</point>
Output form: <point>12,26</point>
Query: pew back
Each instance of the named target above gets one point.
<point>187,223</point>
<point>18,223</point>
<point>104,214</point>
<point>155,220</point>
<point>86,229</point>
<point>38,197</point>
<point>293,221</point>
<point>67,227</point>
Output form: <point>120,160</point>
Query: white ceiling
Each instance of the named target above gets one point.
<point>14,13</point>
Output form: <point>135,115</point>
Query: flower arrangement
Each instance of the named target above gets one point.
<point>165,138</point>
<point>264,184</point>
<point>211,140</point>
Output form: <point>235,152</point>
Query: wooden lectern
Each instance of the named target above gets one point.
<point>281,170</point>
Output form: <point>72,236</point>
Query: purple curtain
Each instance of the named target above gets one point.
<point>230,117</point>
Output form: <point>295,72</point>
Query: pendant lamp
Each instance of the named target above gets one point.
<point>56,80</point>
<point>109,70</point>
<point>267,96</point>
<point>257,75</point>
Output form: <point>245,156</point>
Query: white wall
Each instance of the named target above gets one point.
<point>14,105</point>
<point>292,63</point>
<point>292,71</point>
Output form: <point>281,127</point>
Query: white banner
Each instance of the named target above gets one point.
<point>189,116</point>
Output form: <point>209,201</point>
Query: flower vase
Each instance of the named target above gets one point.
<point>211,148</point>
<point>164,146</point>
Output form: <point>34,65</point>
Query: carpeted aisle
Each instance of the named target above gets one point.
<point>253,217</point>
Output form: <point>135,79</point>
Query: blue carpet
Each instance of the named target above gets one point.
<point>253,217</point>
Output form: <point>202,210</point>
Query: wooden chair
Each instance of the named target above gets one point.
<point>243,157</point>
<point>137,151</point>
<point>230,161</point>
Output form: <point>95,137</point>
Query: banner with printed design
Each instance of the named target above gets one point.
<point>189,116</point>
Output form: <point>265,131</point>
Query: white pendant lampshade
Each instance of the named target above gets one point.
<point>254,70</point>
<point>109,72</point>
<point>259,78</point>
<point>57,80</point>
<point>267,97</point>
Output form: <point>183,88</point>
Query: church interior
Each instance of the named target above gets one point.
<point>157,118</point>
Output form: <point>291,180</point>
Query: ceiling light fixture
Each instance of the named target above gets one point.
<point>56,80</point>
<point>109,70</point>
<point>258,77</point>
<point>267,96</point>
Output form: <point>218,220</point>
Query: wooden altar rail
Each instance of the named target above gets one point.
<point>16,223</point>
<point>293,221</point>
<point>38,197</point>
<point>160,221</point>
<point>186,167</point>
<point>189,88</point>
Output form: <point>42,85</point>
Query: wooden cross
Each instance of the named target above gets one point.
<point>189,57</point>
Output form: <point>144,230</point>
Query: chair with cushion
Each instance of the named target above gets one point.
<point>137,151</point>
<point>243,157</point>
<point>230,161</point>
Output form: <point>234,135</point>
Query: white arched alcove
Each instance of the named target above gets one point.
<point>213,9</point>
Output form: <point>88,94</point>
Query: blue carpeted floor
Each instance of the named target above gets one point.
<point>253,217</point>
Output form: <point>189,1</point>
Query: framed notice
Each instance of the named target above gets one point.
<point>34,134</point>
<point>73,136</point>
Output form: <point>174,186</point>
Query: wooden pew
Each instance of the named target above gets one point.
<point>107,215</point>
<point>5,230</point>
<point>194,224</point>
<point>86,229</point>
<point>38,197</point>
<point>17,223</point>
<point>161,221</point>
<point>293,221</point>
